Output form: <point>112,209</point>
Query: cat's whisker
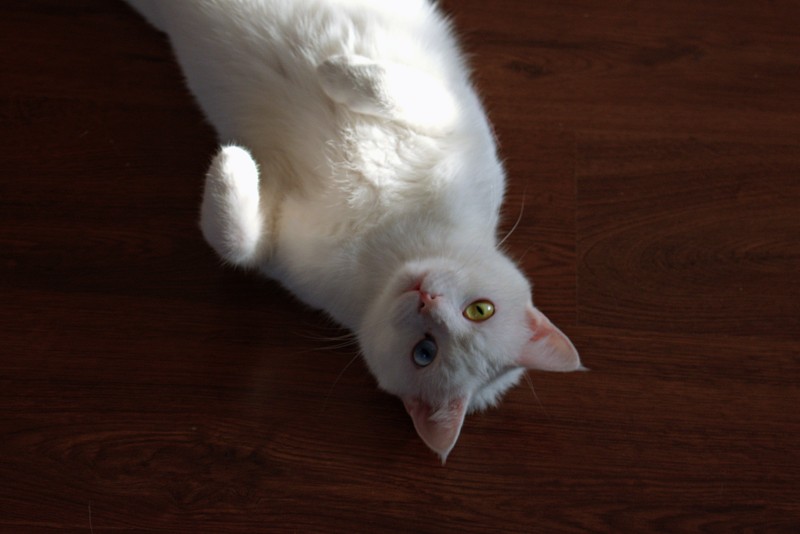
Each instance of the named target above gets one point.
<point>347,336</point>
<point>333,339</point>
<point>516,223</point>
<point>330,343</point>
<point>521,257</point>
<point>351,343</point>
<point>338,378</point>
<point>538,401</point>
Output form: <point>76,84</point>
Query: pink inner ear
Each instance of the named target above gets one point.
<point>439,429</point>
<point>548,349</point>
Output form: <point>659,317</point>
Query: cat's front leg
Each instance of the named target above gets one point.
<point>231,216</point>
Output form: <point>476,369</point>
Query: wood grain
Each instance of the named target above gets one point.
<point>653,152</point>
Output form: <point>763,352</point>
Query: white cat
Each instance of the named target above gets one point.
<point>360,171</point>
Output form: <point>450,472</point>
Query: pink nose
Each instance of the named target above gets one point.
<point>426,301</point>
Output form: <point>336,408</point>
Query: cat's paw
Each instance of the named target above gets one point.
<point>230,215</point>
<point>389,90</point>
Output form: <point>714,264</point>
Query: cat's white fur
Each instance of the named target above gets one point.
<point>359,169</point>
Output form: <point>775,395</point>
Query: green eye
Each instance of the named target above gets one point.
<point>480,310</point>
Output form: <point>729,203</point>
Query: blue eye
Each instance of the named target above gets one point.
<point>424,352</point>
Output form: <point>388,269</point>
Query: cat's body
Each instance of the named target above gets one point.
<point>376,192</point>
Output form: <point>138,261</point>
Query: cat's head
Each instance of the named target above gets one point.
<point>450,336</point>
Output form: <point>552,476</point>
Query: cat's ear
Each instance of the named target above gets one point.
<point>548,349</point>
<point>389,90</point>
<point>439,428</point>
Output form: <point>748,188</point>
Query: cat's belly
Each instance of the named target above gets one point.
<point>313,257</point>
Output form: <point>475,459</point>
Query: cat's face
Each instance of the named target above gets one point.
<point>451,336</point>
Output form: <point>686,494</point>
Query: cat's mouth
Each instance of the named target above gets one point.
<point>415,286</point>
<point>427,300</point>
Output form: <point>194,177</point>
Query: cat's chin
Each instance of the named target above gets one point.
<point>489,395</point>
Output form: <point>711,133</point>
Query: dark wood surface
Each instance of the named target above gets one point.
<point>653,149</point>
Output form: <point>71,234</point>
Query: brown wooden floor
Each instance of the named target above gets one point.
<point>655,150</point>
